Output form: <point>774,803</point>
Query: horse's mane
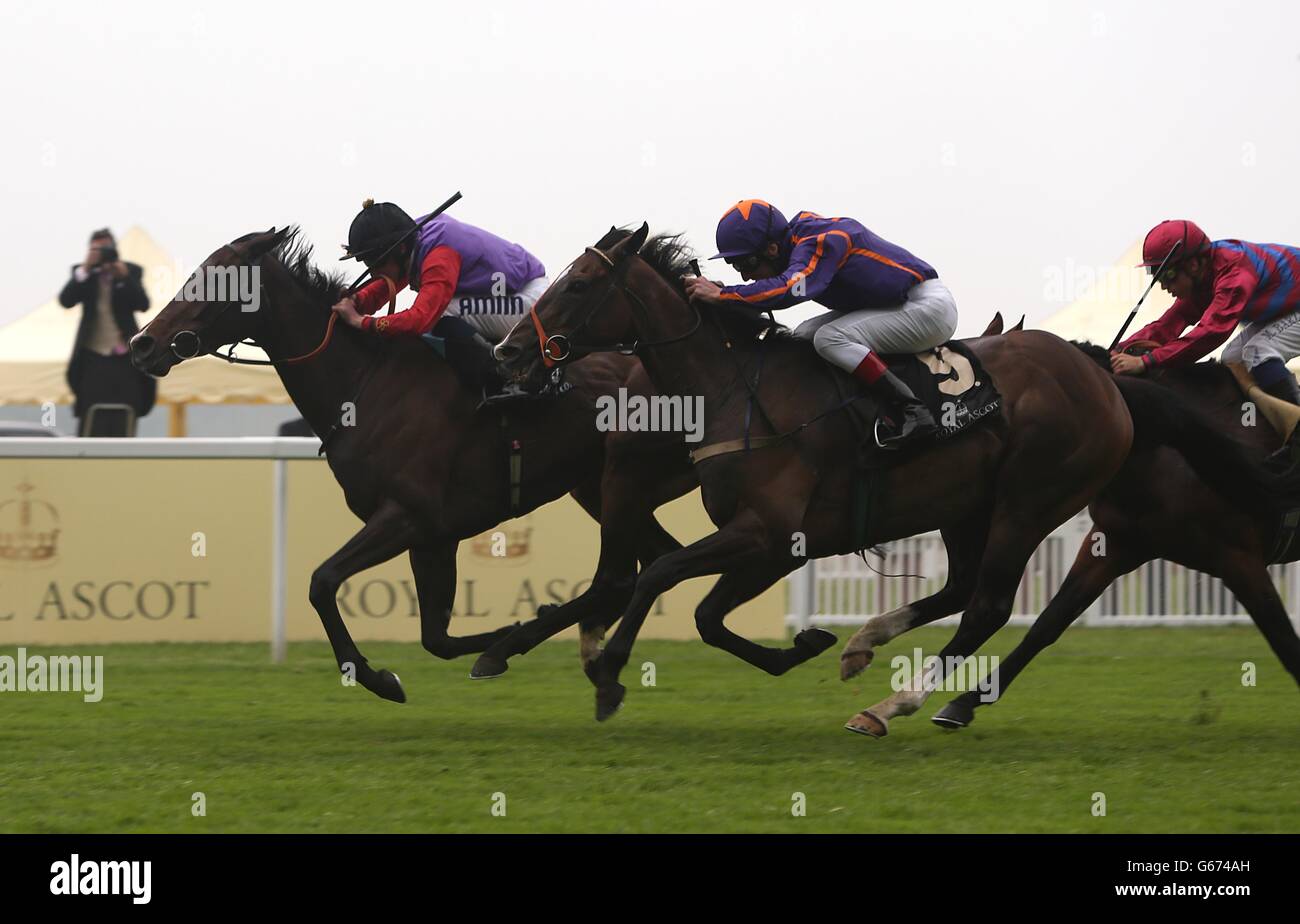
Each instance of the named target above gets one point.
<point>1203,376</point>
<point>670,256</point>
<point>295,254</point>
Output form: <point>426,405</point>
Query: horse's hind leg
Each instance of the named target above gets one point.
<point>965,547</point>
<point>1088,577</point>
<point>1249,580</point>
<point>737,587</point>
<point>386,534</point>
<point>1018,526</point>
<point>434,568</point>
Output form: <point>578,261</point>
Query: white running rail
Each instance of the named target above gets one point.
<point>843,590</point>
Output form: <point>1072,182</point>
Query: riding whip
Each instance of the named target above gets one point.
<point>1155,277</point>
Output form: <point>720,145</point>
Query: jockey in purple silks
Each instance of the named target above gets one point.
<point>882,299</point>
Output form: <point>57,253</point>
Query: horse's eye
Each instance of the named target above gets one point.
<point>577,286</point>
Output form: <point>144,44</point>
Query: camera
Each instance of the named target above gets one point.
<point>107,255</point>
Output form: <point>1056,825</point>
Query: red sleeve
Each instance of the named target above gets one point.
<point>1180,316</point>
<point>1231,292</point>
<point>374,295</point>
<point>439,274</point>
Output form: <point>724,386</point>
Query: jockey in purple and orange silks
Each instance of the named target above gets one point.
<point>467,281</point>
<point>1220,287</point>
<point>882,299</point>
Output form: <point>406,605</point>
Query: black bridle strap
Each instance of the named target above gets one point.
<point>545,340</point>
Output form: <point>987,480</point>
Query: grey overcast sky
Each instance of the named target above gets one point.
<point>1000,141</point>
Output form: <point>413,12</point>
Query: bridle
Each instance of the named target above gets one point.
<point>559,348</point>
<point>188,337</point>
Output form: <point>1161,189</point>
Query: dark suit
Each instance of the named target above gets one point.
<point>87,370</point>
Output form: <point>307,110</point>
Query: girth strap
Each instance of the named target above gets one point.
<point>740,445</point>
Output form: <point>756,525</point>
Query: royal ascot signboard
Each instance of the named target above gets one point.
<point>135,550</point>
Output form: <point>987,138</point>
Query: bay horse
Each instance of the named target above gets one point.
<point>418,465</point>
<point>995,492</point>
<point>1160,506</point>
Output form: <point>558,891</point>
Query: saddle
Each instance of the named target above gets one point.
<point>948,379</point>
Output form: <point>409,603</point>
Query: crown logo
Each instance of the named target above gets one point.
<point>511,542</point>
<point>29,528</point>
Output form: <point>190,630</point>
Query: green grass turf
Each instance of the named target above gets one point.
<point>1156,719</point>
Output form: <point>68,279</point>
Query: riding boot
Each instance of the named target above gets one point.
<point>909,420</point>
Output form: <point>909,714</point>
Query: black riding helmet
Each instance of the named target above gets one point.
<point>378,226</point>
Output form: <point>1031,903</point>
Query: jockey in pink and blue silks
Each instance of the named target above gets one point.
<point>882,299</point>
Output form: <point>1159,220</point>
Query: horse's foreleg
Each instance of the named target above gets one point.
<point>434,568</point>
<point>607,593</point>
<point>739,544</point>
<point>386,534</point>
<point>735,588</point>
<point>965,547</point>
<point>628,531</point>
<point>1249,580</point>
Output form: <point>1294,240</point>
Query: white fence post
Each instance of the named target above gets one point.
<point>279,530</point>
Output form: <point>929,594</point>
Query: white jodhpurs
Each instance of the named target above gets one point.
<point>844,338</point>
<point>494,316</point>
<point>1258,343</point>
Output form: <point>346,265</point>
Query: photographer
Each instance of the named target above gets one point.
<point>109,292</point>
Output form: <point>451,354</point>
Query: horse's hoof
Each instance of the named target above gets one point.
<point>609,700</point>
<point>954,715</point>
<point>812,642</point>
<point>386,685</point>
<point>488,667</point>
<point>867,723</point>
<point>853,663</point>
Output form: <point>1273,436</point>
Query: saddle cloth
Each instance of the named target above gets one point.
<point>951,382</point>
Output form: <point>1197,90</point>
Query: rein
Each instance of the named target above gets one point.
<point>230,357</point>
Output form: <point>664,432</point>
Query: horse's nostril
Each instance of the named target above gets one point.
<point>505,352</point>
<point>141,344</point>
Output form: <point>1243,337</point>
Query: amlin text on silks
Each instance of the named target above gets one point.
<point>53,674</point>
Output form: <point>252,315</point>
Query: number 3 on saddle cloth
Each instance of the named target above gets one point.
<point>950,381</point>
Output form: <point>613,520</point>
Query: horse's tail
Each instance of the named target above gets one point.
<point>1162,417</point>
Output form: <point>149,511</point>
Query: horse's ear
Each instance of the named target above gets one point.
<point>1020,325</point>
<point>264,243</point>
<point>638,238</point>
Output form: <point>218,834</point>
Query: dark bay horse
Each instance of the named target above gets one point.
<point>1161,506</point>
<point>418,464</point>
<point>995,492</point>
